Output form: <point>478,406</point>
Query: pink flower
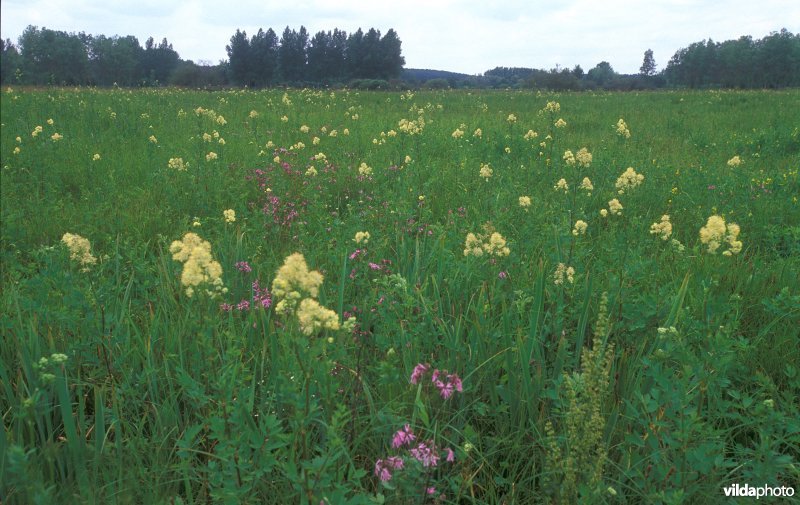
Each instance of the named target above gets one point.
<point>243,266</point>
<point>226,307</point>
<point>431,490</point>
<point>451,383</point>
<point>451,456</point>
<point>382,471</point>
<point>418,372</point>
<point>374,266</point>
<point>425,455</point>
<point>403,437</point>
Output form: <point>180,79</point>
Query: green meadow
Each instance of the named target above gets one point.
<point>418,297</point>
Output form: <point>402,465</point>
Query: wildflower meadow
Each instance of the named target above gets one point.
<point>342,297</point>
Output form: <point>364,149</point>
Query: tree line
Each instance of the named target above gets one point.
<point>51,57</point>
<point>371,60</point>
<point>328,58</point>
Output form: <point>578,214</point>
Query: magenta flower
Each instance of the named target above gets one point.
<point>451,456</point>
<point>425,455</point>
<point>451,383</point>
<point>382,471</point>
<point>243,266</point>
<point>403,437</point>
<point>418,372</point>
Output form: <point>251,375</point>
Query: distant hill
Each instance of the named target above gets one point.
<point>422,75</point>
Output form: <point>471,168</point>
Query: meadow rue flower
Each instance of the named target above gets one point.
<point>561,185</point>
<point>584,157</point>
<point>199,266</point>
<point>230,215</point>
<point>604,212</point>
<point>530,135</point>
<point>311,172</point>
<point>211,156</point>
<point>285,119</point>
<point>511,118</point>
<point>525,202</point>
<point>507,150</point>
<point>568,157</point>
<point>628,180</point>
<point>253,114</point>
<point>364,169</point>
<point>496,245</point>
<point>304,129</point>
<point>346,132</point>
<point>615,207</point>
<point>457,134</point>
<point>177,164</point>
<point>563,273</point>
<point>313,317</point>
<point>79,250</point>
<point>580,228</point>
<point>50,122</point>
<point>315,141</point>
<point>716,232</point>
<point>96,157</point>
<point>663,228</point>
<point>734,162</point>
<point>552,107</point>
<point>486,171</point>
<point>153,139</point>
<point>221,121</point>
<point>294,278</point>
<point>473,245</point>
<point>362,237</point>
<point>622,129</point>
<point>56,137</point>
<point>477,133</point>
<point>586,185</point>
<point>560,123</point>
<point>17,150</point>
<point>207,137</point>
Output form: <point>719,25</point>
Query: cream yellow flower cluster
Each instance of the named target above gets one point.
<point>199,266</point>
<point>586,185</point>
<point>563,273</point>
<point>663,228</point>
<point>568,157</point>
<point>552,107</point>
<point>560,123</point>
<point>530,135</point>
<point>297,287</point>
<point>628,180</point>
<point>486,171</point>
<point>525,202</point>
<point>734,162</point>
<point>177,164</point>
<point>561,185</point>
<point>580,227</point>
<point>412,127</point>
<point>716,232</point>
<point>362,237</point>
<point>458,133</point>
<point>584,157</point>
<point>229,215</point>
<point>622,129</point>
<point>511,118</point>
<point>79,250</point>
<point>615,207</point>
<point>364,169</point>
<point>478,245</point>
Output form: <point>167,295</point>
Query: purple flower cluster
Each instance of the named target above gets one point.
<point>425,452</point>
<point>446,383</point>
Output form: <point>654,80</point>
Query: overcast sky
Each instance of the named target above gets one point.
<point>469,36</point>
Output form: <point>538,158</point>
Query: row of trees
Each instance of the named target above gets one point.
<point>770,62</point>
<point>45,56</point>
<point>326,58</point>
<point>56,57</point>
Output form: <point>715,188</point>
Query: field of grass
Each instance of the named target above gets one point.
<point>505,333</point>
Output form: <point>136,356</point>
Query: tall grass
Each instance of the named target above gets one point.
<point>117,387</point>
